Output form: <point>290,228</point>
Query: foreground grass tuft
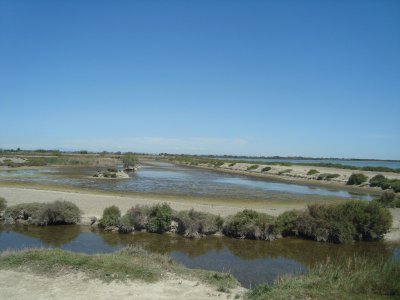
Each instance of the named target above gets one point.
<point>356,278</point>
<point>130,263</point>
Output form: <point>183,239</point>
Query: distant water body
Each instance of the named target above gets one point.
<point>346,162</point>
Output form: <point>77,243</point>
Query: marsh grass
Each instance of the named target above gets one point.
<point>354,278</point>
<point>3,204</point>
<point>312,172</point>
<point>284,171</point>
<point>327,176</point>
<point>252,167</point>
<point>133,263</point>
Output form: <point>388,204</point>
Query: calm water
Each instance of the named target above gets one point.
<point>251,262</point>
<point>354,163</point>
<point>164,178</point>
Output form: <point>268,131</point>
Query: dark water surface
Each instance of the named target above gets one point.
<point>169,179</point>
<point>251,262</point>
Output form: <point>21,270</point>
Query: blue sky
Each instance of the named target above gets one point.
<point>311,78</point>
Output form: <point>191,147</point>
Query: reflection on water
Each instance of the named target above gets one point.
<point>170,179</point>
<point>251,262</point>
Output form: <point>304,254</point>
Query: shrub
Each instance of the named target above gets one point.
<point>129,160</point>
<point>356,179</point>
<point>312,172</point>
<point>388,199</point>
<point>327,176</point>
<point>137,217</point>
<point>159,218</point>
<point>284,171</point>
<point>58,213</point>
<point>23,211</point>
<point>251,225</point>
<point>265,169</point>
<point>337,223</point>
<point>194,224</point>
<point>252,167</point>
<point>111,217</point>
<point>3,204</point>
<point>377,180</point>
<point>232,164</point>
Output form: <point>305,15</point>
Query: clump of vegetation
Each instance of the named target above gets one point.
<point>252,167</point>
<point>266,169</point>
<point>194,224</point>
<point>355,278</point>
<point>129,160</point>
<point>58,213</point>
<point>327,176</point>
<point>312,172</point>
<point>54,213</point>
<point>232,164</point>
<point>389,199</point>
<point>3,204</point>
<point>111,217</point>
<point>385,183</point>
<point>137,217</point>
<point>249,224</point>
<point>284,171</point>
<point>357,179</point>
<point>159,218</point>
<point>353,220</point>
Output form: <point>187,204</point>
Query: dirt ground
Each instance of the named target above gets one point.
<point>27,285</point>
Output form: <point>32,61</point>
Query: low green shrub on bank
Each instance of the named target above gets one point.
<point>327,176</point>
<point>389,199</point>
<point>111,217</point>
<point>266,169</point>
<point>312,172</point>
<point>249,224</point>
<point>252,167</point>
<point>284,171</point>
<point>159,218</point>
<point>54,213</point>
<point>385,183</point>
<point>232,164</point>
<point>194,224</point>
<point>355,278</point>
<point>357,179</point>
<point>352,220</point>
<point>58,213</point>
<point>3,204</point>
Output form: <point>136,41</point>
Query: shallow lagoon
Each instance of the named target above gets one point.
<point>170,179</point>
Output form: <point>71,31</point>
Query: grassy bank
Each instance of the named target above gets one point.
<point>131,263</point>
<point>355,278</point>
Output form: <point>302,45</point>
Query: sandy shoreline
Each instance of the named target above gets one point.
<point>27,285</point>
<point>298,175</point>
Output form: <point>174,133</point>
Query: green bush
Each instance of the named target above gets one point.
<point>232,164</point>
<point>58,213</point>
<point>284,171</point>
<point>327,176</point>
<point>23,211</point>
<point>252,167</point>
<point>385,183</point>
<point>3,204</point>
<point>159,218</point>
<point>250,224</point>
<point>194,224</point>
<point>111,217</point>
<point>357,179</point>
<point>312,172</point>
<point>266,169</point>
<point>129,160</point>
<point>388,199</point>
<point>137,217</point>
<point>352,220</point>
<point>377,180</point>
